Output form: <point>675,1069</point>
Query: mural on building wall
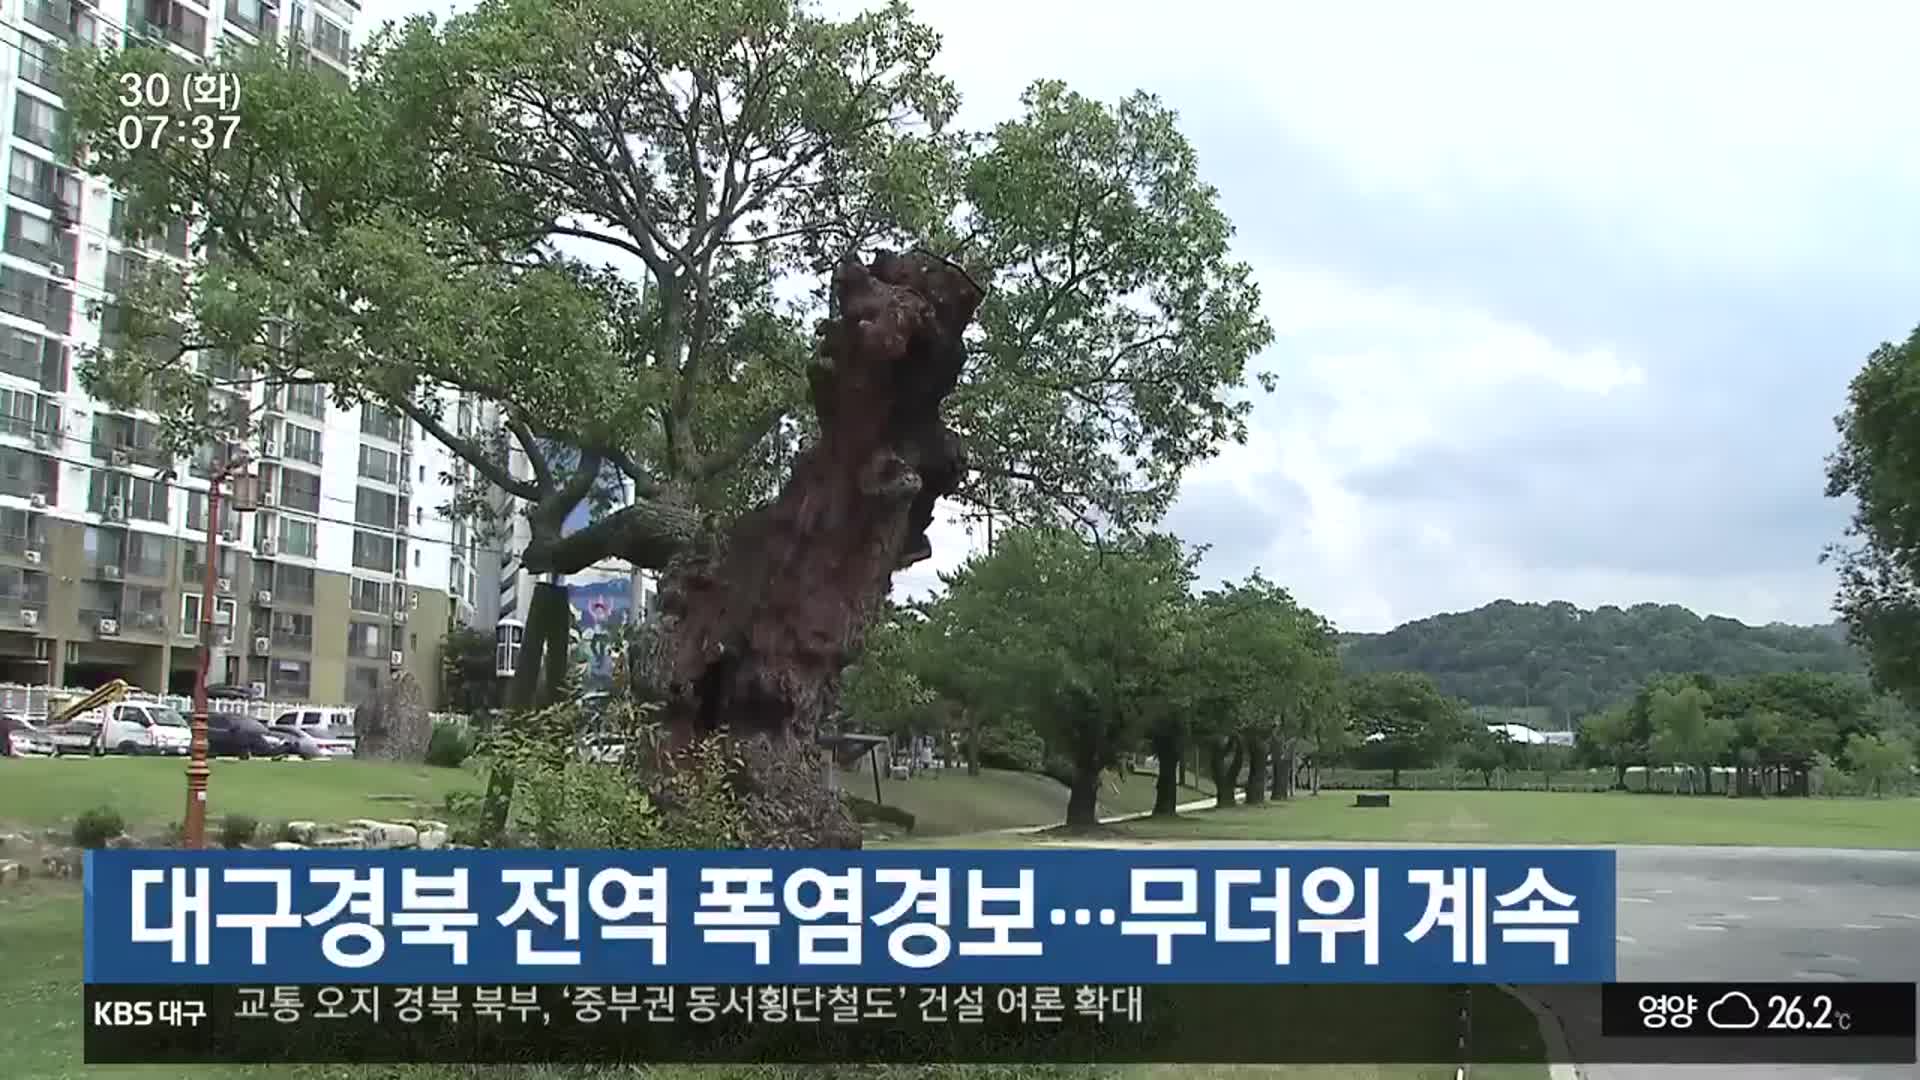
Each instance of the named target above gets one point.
<point>600,609</point>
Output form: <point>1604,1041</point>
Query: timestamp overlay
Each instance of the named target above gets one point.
<point>200,110</point>
<point>1830,1023</point>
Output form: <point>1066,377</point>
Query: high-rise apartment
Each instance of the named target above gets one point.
<point>345,572</point>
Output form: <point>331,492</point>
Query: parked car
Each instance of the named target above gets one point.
<point>25,738</point>
<point>145,727</point>
<point>234,735</point>
<point>301,742</point>
<point>331,729</point>
<point>76,737</point>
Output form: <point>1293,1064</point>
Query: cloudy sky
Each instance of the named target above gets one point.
<point>1565,304</point>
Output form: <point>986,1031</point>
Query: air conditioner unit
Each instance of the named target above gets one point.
<point>230,536</point>
<point>267,449</point>
<point>266,545</point>
<point>29,617</point>
<point>59,269</point>
<point>258,689</point>
<point>120,458</point>
<point>267,497</point>
<point>396,658</point>
<point>224,585</point>
<point>43,440</point>
<point>116,511</point>
<point>33,556</point>
<point>264,598</point>
<point>38,501</point>
<point>400,615</point>
<point>413,600</point>
<point>406,486</point>
<point>109,626</point>
<point>110,572</point>
<point>222,617</point>
<point>262,645</point>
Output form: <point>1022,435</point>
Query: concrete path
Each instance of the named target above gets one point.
<point>1185,807</point>
<point>1731,913</point>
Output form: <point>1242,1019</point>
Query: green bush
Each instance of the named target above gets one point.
<point>237,830</point>
<point>450,746</point>
<point>1007,747</point>
<point>97,826</point>
<point>868,810</point>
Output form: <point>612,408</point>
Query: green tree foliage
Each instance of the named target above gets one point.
<point>1880,761</point>
<point>1403,720</point>
<point>1687,733</point>
<point>448,223</point>
<point>1877,465</point>
<point>1063,633</point>
<point>469,677</point>
<point>1569,663</point>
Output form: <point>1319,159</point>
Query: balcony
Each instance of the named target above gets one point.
<point>57,257</point>
<point>13,612</point>
<point>292,642</point>
<point>53,16</point>
<point>55,314</point>
<point>37,133</point>
<point>65,204</point>
<point>146,621</point>
<point>283,595</point>
<point>256,19</point>
<point>90,616</point>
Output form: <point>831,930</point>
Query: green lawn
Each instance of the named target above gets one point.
<point>1532,817</point>
<point>40,998</point>
<point>951,802</point>
<point>151,792</point>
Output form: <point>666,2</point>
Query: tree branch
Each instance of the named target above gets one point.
<point>748,437</point>
<point>536,458</point>
<point>472,452</point>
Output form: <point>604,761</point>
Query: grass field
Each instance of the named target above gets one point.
<point>1529,817</point>
<point>150,793</point>
<point>40,999</point>
<point>951,802</point>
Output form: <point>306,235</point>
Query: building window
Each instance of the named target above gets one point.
<point>381,423</point>
<point>374,597</point>
<point>26,474</point>
<point>22,413</point>
<point>300,490</point>
<point>330,40</point>
<point>36,121</point>
<point>29,356</point>
<point>378,464</point>
<point>22,590</point>
<point>197,514</point>
<point>307,399</point>
<point>172,22</point>
<point>193,564</point>
<point>137,498</point>
<point>507,640</point>
<point>147,556</point>
<point>376,509</point>
<point>100,600</point>
<point>254,17</point>
<point>372,551</point>
<point>39,240</point>
<point>293,584</point>
<point>368,640</point>
<point>303,444</point>
<point>363,684</point>
<point>299,536</point>
<point>31,296</point>
<point>290,680</point>
<point>293,630</point>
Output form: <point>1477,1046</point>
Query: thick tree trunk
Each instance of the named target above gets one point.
<point>1226,770</point>
<point>761,622</point>
<point>1258,756</point>
<point>973,743</point>
<point>1083,798</point>
<point>1166,788</point>
<point>539,677</point>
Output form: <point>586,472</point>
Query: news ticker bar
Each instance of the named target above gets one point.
<point>1840,1023</point>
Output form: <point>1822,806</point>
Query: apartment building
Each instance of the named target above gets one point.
<point>343,574</point>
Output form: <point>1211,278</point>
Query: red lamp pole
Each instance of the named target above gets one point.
<point>196,820</point>
<point>195,823</point>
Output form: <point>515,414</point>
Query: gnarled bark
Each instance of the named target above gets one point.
<point>760,624</point>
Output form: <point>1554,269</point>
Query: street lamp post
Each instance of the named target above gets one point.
<point>195,827</point>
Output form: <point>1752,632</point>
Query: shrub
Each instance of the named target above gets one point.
<point>868,810</point>
<point>97,826</point>
<point>450,745</point>
<point>237,830</point>
<point>1009,747</point>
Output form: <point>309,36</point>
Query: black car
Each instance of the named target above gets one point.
<point>232,735</point>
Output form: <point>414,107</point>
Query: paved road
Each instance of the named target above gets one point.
<point>1722,913</point>
<point>1764,913</point>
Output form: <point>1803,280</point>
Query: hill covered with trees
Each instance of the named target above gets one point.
<point>1576,662</point>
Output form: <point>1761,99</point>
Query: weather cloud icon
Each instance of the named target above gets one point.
<point>1734,1011</point>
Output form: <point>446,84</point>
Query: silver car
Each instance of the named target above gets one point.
<point>25,739</point>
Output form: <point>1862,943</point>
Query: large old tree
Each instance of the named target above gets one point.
<point>615,223</point>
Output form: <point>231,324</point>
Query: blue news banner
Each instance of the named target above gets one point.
<point>1088,955</point>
